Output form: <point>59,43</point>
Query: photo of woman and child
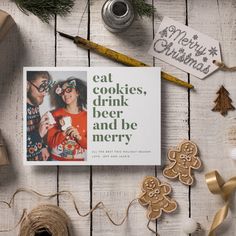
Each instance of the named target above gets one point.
<point>61,133</point>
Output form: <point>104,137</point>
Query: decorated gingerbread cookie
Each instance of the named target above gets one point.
<point>154,195</point>
<point>183,159</point>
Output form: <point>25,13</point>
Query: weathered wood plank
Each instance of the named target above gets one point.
<point>116,186</point>
<point>118,182</point>
<point>76,23</point>
<point>31,44</point>
<point>174,121</point>
<point>209,129</point>
<point>74,179</point>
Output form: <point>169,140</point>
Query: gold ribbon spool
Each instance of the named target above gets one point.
<point>49,218</point>
<point>217,185</point>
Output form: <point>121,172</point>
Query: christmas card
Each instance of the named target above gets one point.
<point>92,116</point>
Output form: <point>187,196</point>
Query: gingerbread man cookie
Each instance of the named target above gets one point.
<point>183,159</point>
<point>154,195</point>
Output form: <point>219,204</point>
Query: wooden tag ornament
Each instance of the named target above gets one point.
<point>154,195</point>
<point>185,48</point>
<point>183,159</point>
<point>223,102</point>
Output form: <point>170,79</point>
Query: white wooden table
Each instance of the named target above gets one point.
<point>185,114</point>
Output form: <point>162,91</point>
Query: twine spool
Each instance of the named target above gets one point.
<point>46,220</point>
<point>51,220</point>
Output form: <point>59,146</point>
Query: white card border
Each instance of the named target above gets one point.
<point>81,163</point>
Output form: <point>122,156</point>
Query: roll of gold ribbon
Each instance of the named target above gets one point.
<point>46,218</point>
<point>217,185</point>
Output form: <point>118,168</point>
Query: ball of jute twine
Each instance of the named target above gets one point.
<point>46,217</point>
<point>52,219</point>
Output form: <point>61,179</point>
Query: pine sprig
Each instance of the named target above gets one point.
<point>45,9</point>
<point>142,8</point>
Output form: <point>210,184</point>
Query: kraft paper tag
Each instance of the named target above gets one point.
<point>185,48</point>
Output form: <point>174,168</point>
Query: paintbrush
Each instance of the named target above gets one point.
<point>119,57</point>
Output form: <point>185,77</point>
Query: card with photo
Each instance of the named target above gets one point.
<point>92,116</point>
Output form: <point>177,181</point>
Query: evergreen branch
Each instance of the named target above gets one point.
<point>45,9</point>
<point>142,8</point>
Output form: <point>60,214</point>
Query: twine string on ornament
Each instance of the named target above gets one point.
<point>46,213</point>
<point>217,185</point>
<point>223,67</point>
